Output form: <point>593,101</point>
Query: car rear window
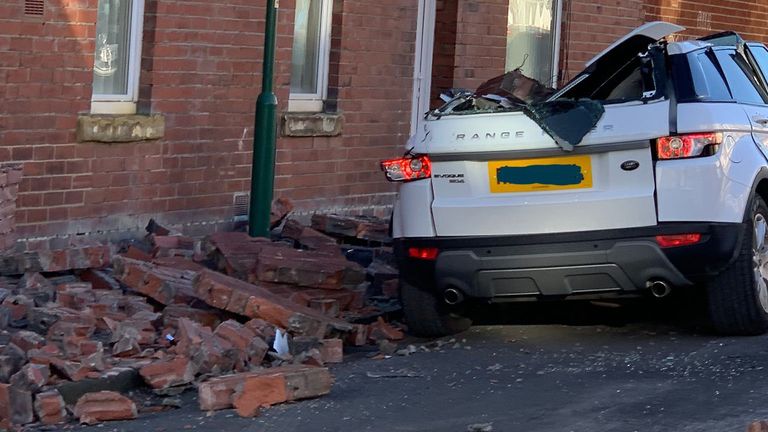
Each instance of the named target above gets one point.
<point>616,83</point>
<point>708,83</point>
<point>761,56</point>
<point>739,76</point>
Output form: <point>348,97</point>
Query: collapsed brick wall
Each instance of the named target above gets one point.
<point>10,175</point>
<point>201,69</point>
<point>43,71</point>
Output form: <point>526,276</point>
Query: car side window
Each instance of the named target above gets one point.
<point>761,57</point>
<point>738,74</point>
<point>707,81</point>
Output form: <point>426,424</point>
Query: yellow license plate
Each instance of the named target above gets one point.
<point>543,174</point>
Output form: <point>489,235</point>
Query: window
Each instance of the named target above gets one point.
<point>628,82</point>
<point>532,38</point>
<point>117,59</point>
<point>739,77</point>
<point>708,83</point>
<point>761,57</point>
<point>309,62</point>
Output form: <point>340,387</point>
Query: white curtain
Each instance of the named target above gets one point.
<point>306,46</point>
<point>530,43</point>
<point>113,35</point>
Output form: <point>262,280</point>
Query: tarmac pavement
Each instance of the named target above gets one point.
<point>647,366</point>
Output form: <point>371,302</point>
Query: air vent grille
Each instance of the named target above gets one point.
<point>34,7</point>
<point>240,205</point>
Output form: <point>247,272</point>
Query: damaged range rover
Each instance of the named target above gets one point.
<point>645,173</point>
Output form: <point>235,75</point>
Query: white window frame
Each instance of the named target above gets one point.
<point>126,103</point>
<point>422,70</point>
<point>558,28</point>
<point>313,102</point>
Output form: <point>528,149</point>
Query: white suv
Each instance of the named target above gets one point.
<point>665,186</point>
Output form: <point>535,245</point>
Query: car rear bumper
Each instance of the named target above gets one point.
<point>597,262</point>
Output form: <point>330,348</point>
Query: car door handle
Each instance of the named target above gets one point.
<point>762,121</point>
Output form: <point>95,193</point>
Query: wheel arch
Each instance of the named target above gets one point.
<point>760,187</point>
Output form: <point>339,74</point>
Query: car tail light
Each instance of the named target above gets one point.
<point>427,253</point>
<point>407,168</point>
<point>668,241</point>
<point>686,146</point>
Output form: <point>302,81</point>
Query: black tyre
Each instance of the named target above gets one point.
<point>738,297</point>
<point>428,316</point>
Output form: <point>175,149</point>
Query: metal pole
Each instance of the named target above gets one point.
<point>265,136</point>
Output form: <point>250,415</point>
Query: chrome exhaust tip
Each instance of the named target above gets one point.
<point>452,296</point>
<point>659,288</point>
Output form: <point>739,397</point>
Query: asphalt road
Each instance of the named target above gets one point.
<point>575,367</point>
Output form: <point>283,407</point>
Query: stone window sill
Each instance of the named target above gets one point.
<point>118,128</point>
<point>296,124</point>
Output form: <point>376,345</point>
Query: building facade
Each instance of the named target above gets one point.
<point>124,110</point>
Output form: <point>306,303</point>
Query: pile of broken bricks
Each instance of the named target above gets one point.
<point>246,322</point>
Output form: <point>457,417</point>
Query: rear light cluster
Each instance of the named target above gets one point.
<point>407,168</point>
<point>687,146</point>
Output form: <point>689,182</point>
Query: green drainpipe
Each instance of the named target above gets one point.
<point>265,136</point>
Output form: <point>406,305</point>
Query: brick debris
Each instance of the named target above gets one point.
<point>86,327</point>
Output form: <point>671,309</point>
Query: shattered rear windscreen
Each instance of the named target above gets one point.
<point>567,116</point>
<point>566,121</point>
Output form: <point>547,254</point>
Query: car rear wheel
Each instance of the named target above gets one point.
<point>738,297</point>
<point>427,315</point>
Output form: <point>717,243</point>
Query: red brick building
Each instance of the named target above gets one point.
<point>122,110</point>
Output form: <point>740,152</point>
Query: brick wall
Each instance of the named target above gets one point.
<point>45,73</point>
<point>201,69</point>
<point>372,73</point>
<point>444,53</point>
<point>589,26</point>
<point>481,41</point>
<point>702,17</point>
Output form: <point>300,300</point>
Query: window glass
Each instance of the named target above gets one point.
<point>626,84</point>
<point>306,47</point>
<point>612,85</point>
<point>530,38</point>
<point>742,86</point>
<point>707,81</point>
<point>113,35</point>
<point>761,56</point>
